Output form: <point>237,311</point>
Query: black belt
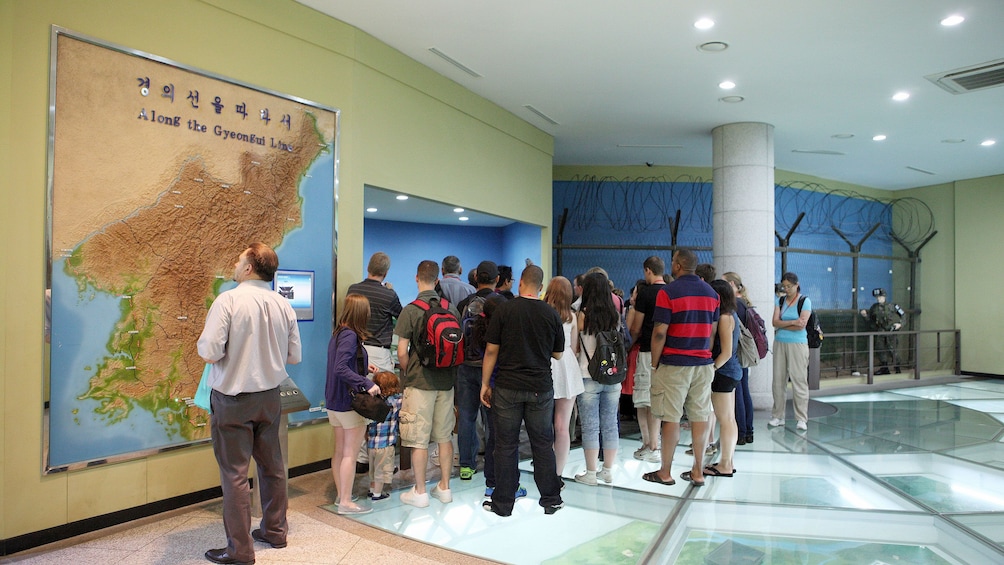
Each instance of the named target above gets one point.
<point>377,345</point>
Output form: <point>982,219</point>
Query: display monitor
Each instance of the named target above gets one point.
<point>298,288</point>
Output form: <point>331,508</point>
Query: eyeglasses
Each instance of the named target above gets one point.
<point>787,287</point>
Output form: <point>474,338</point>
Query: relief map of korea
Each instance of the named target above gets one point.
<point>146,229</point>
<point>158,261</point>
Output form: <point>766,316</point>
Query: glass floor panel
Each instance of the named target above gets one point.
<point>902,476</point>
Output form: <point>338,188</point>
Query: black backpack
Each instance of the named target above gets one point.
<point>608,364</point>
<point>473,351</point>
<point>813,331</point>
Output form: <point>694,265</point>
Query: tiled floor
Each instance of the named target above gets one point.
<point>911,475</point>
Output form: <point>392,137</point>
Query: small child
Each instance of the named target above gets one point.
<point>381,437</point>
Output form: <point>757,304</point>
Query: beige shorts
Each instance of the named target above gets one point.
<point>675,388</point>
<point>642,395</point>
<point>382,464</point>
<point>426,415</point>
<point>347,420</point>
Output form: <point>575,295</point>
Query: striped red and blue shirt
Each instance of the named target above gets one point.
<point>689,306</point>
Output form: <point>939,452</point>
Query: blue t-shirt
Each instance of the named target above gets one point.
<point>790,313</point>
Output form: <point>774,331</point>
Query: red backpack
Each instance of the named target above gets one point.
<point>441,344</point>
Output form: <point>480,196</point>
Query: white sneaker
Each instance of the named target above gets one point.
<point>586,478</point>
<point>444,495</point>
<point>641,452</point>
<point>775,422</point>
<point>653,457</point>
<point>606,475</point>
<point>802,425</point>
<point>414,499</point>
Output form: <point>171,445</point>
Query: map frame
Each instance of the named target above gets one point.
<point>247,149</point>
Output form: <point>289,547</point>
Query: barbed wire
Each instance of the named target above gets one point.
<point>636,205</point>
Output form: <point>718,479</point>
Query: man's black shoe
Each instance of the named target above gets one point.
<point>258,535</point>
<point>221,556</point>
<point>553,508</point>
<point>882,371</point>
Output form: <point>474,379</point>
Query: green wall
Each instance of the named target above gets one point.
<point>402,127</point>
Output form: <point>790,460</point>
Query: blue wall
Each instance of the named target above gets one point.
<point>609,212</point>
<point>408,243</point>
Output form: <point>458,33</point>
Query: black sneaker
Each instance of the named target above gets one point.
<point>553,508</point>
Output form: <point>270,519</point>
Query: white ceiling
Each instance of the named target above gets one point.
<point>629,73</point>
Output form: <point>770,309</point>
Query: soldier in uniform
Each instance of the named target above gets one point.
<point>885,317</point>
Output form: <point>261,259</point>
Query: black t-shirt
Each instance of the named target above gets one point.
<point>527,331</point>
<point>645,304</point>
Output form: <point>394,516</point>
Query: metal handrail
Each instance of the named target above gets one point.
<point>916,347</point>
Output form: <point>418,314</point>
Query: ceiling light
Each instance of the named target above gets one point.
<point>704,23</point>
<point>731,99</point>
<point>955,140</point>
<point>900,96</point>
<point>402,196</point>
<point>842,135</point>
<point>726,85</point>
<point>952,20</point>
<point>463,218</point>
<point>371,210</point>
<point>988,142</point>
<point>879,137</point>
<point>713,47</point>
<point>458,210</point>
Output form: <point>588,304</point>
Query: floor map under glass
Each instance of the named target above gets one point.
<point>161,176</point>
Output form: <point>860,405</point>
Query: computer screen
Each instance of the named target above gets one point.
<point>298,288</point>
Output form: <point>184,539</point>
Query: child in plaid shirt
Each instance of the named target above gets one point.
<point>381,437</point>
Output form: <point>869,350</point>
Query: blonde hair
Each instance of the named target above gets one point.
<point>740,289</point>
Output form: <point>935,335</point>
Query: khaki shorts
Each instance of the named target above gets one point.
<point>642,395</point>
<point>382,464</point>
<point>426,415</point>
<point>675,388</point>
<point>347,420</point>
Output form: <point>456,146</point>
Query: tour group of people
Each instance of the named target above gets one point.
<point>526,351</point>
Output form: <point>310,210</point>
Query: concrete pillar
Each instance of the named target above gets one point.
<point>743,220</point>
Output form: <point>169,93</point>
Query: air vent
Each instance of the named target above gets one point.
<point>543,116</point>
<point>968,79</point>
<point>454,62</point>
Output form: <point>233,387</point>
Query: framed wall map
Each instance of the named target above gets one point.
<point>160,175</point>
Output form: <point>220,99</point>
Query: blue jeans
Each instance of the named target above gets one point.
<point>744,405</point>
<point>468,398</point>
<point>510,408</point>
<point>598,414</point>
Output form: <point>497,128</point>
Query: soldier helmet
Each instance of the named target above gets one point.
<point>878,292</point>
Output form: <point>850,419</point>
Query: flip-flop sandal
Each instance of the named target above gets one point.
<point>713,471</point>
<point>687,476</point>
<point>653,477</point>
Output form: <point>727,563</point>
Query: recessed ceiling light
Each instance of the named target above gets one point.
<point>953,20</point>
<point>458,210</point>
<point>901,96</point>
<point>463,218</point>
<point>879,137</point>
<point>842,135</point>
<point>704,23</point>
<point>371,210</point>
<point>726,85</point>
<point>402,196</point>
<point>713,47</point>
<point>988,142</point>
<point>955,140</point>
<point>731,99</point>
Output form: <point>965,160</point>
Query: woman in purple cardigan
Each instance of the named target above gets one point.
<point>347,369</point>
